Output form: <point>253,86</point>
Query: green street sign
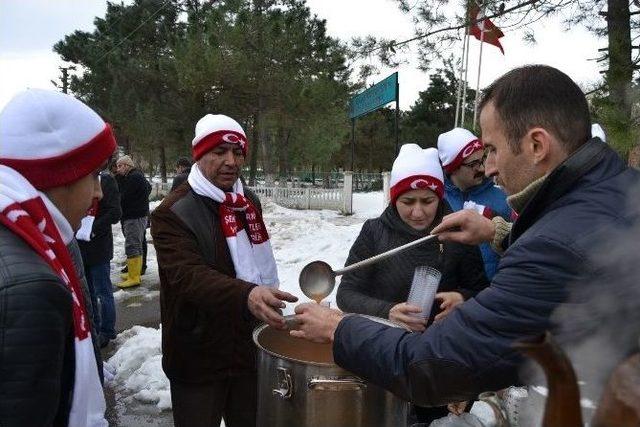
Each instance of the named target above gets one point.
<point>375,97</point>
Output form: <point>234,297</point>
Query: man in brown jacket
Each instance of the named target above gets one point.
<point>218,278</point>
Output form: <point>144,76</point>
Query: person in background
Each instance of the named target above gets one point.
<point>134,200</point>
<point>466,186</point>
<point>53,148</point>
<point>416,207</point>
<point>417,189</point>
<point>183,167</point>
<point>218,278</point>
<point>95,239</point>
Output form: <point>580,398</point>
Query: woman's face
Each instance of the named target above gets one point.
<point>418,208</point>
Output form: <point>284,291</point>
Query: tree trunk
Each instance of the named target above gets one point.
<point>253,160</point>
<point>620,72</point>
<point>282,155</point>
<point>267,161</point>
<point>634,157</point>
<point>163,163</point>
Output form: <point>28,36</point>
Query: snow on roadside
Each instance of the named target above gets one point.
<point>298,237</point>
<point>137,365</point>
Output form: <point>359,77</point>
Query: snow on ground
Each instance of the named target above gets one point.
<point>298,237</point>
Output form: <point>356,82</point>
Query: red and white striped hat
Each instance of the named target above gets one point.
<point>215,129</point>
<point>414,169</point>
<point>455,146</point>
<point>52,139</point>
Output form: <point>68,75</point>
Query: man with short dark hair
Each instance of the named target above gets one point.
<point>570,191</point>
<point>183,167</point>
<point>218,278</point>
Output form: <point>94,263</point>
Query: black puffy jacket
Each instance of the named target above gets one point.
<point>37,354</point>
<point>100,248</point>
<point>375,289</point>
<point>134,194</point>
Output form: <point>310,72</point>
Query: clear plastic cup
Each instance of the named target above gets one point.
<point>423,289</point>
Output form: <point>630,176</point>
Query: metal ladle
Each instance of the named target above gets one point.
<point>317,279</point>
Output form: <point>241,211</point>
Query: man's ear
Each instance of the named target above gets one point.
<point>538,143</point>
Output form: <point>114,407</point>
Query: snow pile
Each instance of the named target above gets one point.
<point>138,366</point>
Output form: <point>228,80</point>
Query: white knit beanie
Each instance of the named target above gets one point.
<point>414,169</point>
<point>215,129</point>
<point>52,139</point>
<point>455,146</point>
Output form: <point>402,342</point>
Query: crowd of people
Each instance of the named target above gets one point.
<point>517,213</point>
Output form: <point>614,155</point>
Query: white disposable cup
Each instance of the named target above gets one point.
<point>423,289</point>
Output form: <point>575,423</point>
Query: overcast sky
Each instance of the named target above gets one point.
<point>29,28</point>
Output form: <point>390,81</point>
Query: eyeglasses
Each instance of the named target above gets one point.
<point>476,163</point>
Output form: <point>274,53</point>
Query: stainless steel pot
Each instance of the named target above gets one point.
<point>299,385</point>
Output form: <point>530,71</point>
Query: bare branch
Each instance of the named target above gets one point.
<point>457,27</point>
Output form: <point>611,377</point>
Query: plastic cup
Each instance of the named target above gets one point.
<point>423,289</point>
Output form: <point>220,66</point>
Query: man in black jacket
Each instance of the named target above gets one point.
<point>183,167</point>
<point>571,193</point>
<point>53,147</point>
<point>134,200</point>
<point>97,253</point>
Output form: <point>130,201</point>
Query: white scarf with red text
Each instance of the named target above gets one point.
<point>30,215</point>
<point>251,252</point>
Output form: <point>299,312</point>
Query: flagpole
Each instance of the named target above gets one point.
<point>459,88</point>
<point>464,89</point>
<point>475,104</point>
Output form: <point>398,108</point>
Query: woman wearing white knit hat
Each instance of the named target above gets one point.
<point>416,206</point>
<point>52,148</point>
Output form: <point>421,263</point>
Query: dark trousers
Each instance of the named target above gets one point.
<point>101,292</point>
<point>204,405</point>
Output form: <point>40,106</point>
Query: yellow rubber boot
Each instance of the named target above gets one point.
<point>134,268</point>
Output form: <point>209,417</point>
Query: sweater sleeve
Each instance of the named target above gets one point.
<point>352,295</point>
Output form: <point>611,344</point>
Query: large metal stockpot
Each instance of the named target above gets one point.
<point>299,385</point>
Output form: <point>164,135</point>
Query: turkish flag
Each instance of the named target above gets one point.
<point>492,34</point>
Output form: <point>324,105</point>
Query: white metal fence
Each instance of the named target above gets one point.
<point>339,199</point>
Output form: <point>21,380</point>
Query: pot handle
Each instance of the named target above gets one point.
<point>336,384</point>
<point>285,384</point>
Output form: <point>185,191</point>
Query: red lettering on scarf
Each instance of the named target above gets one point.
<point>236,204</point>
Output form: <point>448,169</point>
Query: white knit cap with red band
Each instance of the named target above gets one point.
<point>52,139</point>
<point>216,129</point>
<point>455,146</point>
<point>416,169</point>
